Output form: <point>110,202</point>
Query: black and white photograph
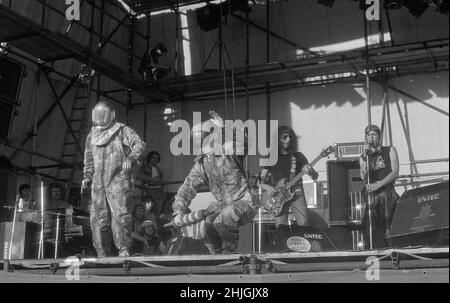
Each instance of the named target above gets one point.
<point>220,147</point>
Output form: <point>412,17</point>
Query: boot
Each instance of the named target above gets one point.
<point>229,247</point>
<point>124,252</point>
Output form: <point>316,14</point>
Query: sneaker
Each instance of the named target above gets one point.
<point>229,247</point>
<point>212,250</point>
<point>124,252</point>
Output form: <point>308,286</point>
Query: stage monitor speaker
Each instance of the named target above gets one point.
<point>180,245</point>
<point>10,78</point>
<point>421,217</point>
<point>343,181</point>
<point>307,239</point>
<point>23,241</point>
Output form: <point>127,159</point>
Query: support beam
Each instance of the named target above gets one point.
<point>66,119</point>
<point>108,38</point>
<point>31,133</point>
<point>275,35</point>
<point>414,98</point>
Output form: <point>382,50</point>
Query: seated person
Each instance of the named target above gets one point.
<point>25,195</point>
<point>56,201</point>
<point>144,232</point>
<point>149,68</point>
<point>150,174</point>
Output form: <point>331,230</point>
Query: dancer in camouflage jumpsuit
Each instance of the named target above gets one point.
<point>225,176</point>
<point>111,150</point>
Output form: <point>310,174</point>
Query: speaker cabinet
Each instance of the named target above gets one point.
<point>23,246</point>
<point>10,78</point>
<point>421,217</point>
<point>344,182</point>
<point>6,118</point>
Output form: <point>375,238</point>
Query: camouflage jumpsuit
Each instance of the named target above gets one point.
<point>234,207</point>
<point>112,199</point>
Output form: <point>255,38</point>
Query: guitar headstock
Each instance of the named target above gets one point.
<point>327,151</point>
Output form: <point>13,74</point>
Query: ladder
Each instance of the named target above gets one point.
<point>74,137</point>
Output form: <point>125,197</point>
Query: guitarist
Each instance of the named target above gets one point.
<point>290,162</point>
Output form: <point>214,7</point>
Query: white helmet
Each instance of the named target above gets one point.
<point>103,115</point>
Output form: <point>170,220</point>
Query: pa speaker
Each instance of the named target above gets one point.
<point>6,117</point>
<point>208,17</point>
<point>421,217</point>
<point>10,78</point>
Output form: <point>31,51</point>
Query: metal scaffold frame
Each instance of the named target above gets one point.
<point>370,65</point>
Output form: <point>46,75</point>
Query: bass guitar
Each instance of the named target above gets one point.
<point>284,192</point>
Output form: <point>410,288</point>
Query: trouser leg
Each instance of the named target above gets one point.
<point>300,209</point>
<point>229,220</point>
<point>121,204</point>
<point>100,217</point>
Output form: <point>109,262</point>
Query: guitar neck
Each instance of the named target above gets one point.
<point>300,174</point>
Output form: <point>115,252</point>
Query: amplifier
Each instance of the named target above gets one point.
<point>421,217</point>
<point>348,150</point>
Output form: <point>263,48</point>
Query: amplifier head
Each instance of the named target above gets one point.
<point>349,150</point>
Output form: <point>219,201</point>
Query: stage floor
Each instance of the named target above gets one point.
<point>412,265</point>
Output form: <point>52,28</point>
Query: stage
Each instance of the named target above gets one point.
<point>409,265</point>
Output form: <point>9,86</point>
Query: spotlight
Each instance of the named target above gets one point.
<point>209,16</point>
<point>392,4</point>
<point>416,7</point>
<point>328,3</point>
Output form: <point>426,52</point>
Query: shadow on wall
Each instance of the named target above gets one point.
<point>423,87</point>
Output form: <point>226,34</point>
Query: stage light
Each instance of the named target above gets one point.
<point>416,7</point>
<point>328,3</point>
<point>392,4</point>
<point>209,16</point>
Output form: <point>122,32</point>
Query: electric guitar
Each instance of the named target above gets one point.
<point>283,193</point>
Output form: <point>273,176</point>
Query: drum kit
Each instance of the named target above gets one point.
<point>56,225</point>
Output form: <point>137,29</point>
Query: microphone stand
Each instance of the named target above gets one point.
<point>259,214</point>
<point>57,236</point>
<point>12,232</point>
<point>369,202</point>
<point>41,238</point>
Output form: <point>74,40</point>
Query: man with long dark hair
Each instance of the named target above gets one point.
<point>290,163</point>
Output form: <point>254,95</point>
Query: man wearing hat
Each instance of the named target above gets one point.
<point>379,167</point>
<point>111,151</point>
